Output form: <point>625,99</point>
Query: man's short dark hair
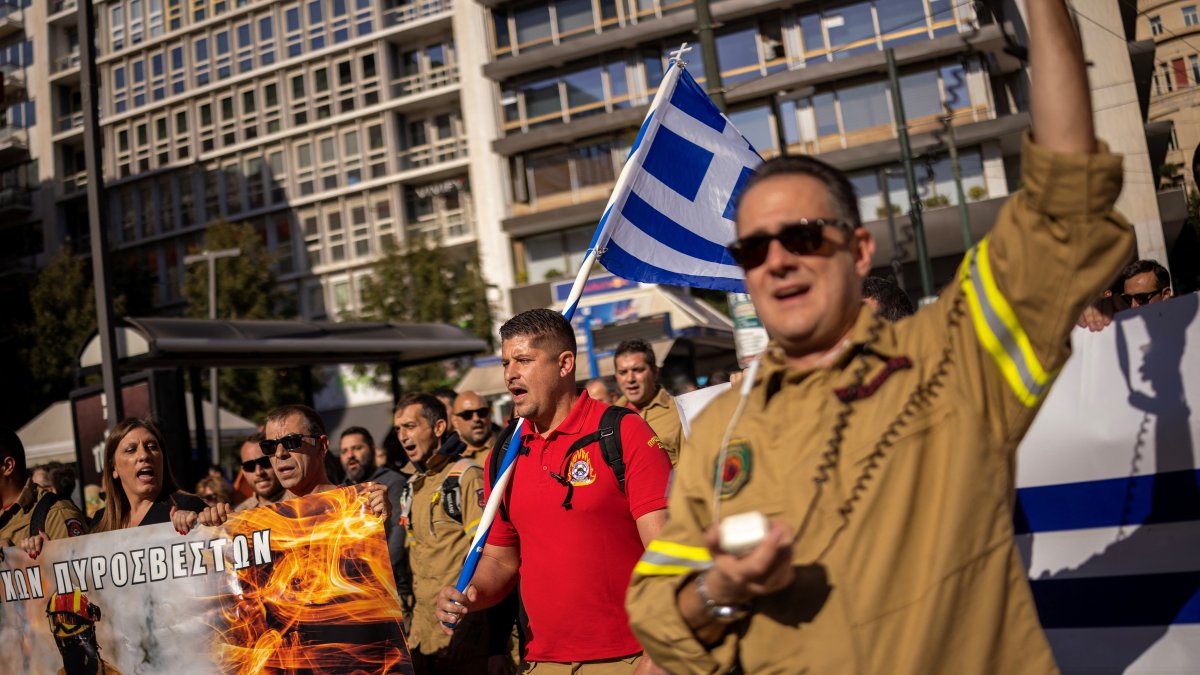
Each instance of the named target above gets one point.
<point>446,393</point>
<point>841,191</point>
<point>1162,277</point>
<point>11,446</point>
<point>312,420</point>
<point>894,303</point>
<point>636,346</point>
<point>62,477</point>
<point>547,327</point>
<point>362,432</point>
<point>255,438</point>
<point>432,409</point>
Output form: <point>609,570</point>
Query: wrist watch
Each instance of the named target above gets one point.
<point>719,613</point>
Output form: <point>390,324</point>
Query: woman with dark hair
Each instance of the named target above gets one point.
<point>138,485</point>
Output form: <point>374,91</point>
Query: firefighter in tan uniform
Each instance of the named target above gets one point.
<point>22,501</point>
<point>637,375</point>
<point>883,455</point>
<point>441,508</point>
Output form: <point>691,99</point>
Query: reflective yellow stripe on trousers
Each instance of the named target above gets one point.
<point>999,331</point>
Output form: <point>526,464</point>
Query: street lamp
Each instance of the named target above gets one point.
<point>211,258</point>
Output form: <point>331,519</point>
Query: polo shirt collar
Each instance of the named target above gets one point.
<point>573,422</point>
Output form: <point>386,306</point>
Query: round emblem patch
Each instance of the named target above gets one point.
<point>736,471</point>
<point>581,470</point>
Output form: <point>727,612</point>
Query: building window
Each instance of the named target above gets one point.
<point>1194,62</point>
<point>1165,72</point>
<point>1181,78</point>
<point>1156,27</point>
<point>1190,18</point>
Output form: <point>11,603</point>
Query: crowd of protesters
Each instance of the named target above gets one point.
<point>587,506</point>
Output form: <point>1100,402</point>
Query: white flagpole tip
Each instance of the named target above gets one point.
<point>677,55</point>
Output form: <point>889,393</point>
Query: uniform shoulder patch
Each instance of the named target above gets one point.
<point>736,471</point>
<point>75,527</point>
<point>479,498</point>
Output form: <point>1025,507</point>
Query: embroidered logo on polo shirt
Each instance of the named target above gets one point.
<point>736,472</point>
<point>656,441</point>
<point>581,472</point>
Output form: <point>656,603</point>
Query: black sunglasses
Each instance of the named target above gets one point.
<point>260,463</point>
<point>806,237</point>
<point>1139,298</point>
<point>289,442</point>
<point>482,413</point>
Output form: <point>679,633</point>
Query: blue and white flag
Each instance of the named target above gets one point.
<point>670,215</point>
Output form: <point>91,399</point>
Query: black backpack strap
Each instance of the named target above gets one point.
<point>609,436</point>
<point>37,522</point>
<point>610,441</point>
<point>497,456</point>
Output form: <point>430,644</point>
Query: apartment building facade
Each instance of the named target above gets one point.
<point>332,126</point>
<point>1174,28</point>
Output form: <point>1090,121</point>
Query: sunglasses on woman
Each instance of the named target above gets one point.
<point>805,237</point>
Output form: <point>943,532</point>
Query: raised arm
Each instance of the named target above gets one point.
<point>1061,101</point>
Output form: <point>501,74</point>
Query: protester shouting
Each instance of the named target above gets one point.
<point>139,487</point>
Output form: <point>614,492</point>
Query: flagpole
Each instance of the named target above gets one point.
<point>595,250</point>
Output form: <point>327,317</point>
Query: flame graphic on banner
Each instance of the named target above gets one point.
<point>327,603</point>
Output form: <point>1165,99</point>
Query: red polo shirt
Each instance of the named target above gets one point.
<point>576,563</point>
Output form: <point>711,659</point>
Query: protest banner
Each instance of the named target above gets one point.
<point>300,586</point>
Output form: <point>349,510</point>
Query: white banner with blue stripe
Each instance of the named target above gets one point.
<point>670,215</point>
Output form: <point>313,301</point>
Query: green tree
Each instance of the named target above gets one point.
<point>63,316</point>
<point>426,283</point>
<point>246,289</point>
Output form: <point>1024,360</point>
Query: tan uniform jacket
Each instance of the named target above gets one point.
<point>922,576</point>
<point>437,545</point>
<point>662,414</point>
<point>63,520</point>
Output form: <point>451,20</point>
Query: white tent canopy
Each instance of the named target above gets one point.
<point>51,437</point>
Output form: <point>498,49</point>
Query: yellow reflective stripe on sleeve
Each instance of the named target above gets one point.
<point>999,330</point>
<point>471,527</point>
<point>666,558</point>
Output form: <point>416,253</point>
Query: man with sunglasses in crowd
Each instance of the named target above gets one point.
<point>257,470</point>
<point>296,443</point>
<point>472,419</point>
<point>1145,283</point>
<point>881,456</point>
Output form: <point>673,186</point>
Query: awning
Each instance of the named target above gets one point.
<point>707,352</point>
<point>50,437</point>
<point>174,342</point>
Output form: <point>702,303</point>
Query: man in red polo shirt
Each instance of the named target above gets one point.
<point>568,531</point>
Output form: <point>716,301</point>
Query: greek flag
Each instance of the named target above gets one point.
<point>671,213</point>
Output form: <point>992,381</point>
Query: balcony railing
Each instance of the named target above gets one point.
<point>433,153</point>
<point>75,182</point>
<point>59,6</point>
<point>407,12</point>
<point>425,81</point>
<point>14,79</point>
<point>67,62</point>
<point>15,199</point>
<point>13,137</point>
<point>10,19</point>
<point>72,121</point>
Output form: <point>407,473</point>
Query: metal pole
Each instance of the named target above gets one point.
<point>963,216</point>
<point>708,54</point>
<point>897,263</point>
<point>197,408</point>
<point>214,386</point>
<point>910,177</point>
<point>211,258</point>
<point>97,215</point>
